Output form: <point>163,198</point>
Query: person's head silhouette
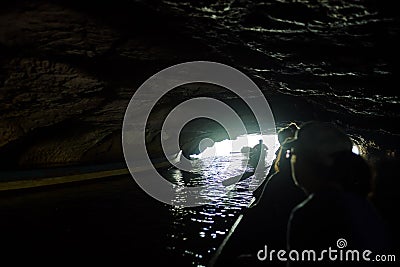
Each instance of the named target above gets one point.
<point>312,152</point>
<point>324,165</point>
<point>287,132</point>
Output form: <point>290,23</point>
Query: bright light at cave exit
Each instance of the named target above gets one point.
<point>355,149</point>
<point>227,147</point>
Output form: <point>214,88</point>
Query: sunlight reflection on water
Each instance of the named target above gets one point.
<point>197,232</point>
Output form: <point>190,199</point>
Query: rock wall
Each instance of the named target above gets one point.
<point>69,68</point>
<point>68,72</point>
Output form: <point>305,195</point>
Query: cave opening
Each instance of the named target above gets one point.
<point>241,144</point>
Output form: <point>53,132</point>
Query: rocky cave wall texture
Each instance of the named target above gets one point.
<point>69,69</point>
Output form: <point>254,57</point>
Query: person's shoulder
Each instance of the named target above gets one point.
<point>274,183</point>
<point>303,207</point>
<point>274,178</point>
<point>311,216</point>
<point>300,225</point>
<point>308,208</point>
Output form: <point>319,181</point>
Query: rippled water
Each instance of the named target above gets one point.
<point>196,233</point>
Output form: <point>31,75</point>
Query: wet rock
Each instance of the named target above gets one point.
<point>9,131</point>
<point>65,147</point>
<point>40,93</point>
<point>55,29</point>
<point>68,74</point>
<point>108,149</point>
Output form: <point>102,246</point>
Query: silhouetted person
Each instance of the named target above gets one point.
<point>283,134</point>
<point>256,153</point>
<point>386,198</point>
<point>352,172</point>
<point>287,132</point>
<point>336,207</point>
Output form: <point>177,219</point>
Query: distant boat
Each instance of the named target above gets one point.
<point>257,152</point>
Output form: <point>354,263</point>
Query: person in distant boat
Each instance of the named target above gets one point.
<point>258,152</point>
